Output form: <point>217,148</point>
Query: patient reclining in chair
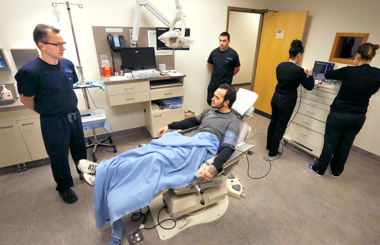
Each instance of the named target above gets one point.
<point>129,181</point>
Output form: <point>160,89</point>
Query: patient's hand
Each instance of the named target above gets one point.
<point>208,172</point>
<point>163,130</point>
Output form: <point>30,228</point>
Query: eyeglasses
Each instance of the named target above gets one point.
<point>59,45</point>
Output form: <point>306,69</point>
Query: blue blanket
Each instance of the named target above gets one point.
<point>128,182</point>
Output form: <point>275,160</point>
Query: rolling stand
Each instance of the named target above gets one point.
<point>95,143</point>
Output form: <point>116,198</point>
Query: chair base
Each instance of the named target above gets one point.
<point>209,214</point>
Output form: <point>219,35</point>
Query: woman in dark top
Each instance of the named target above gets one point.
<point>348,111</point>
<point>289,77</point>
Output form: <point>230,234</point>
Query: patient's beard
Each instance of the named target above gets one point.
<point>217,106</point>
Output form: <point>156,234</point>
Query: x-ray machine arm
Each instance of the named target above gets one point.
<point>145,3</point>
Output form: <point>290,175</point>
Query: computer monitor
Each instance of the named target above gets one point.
<point>320,68</point>
<point>138,58</point>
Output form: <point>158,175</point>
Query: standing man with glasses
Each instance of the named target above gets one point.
<point>45,85</point>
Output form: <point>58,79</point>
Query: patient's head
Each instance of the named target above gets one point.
<point>224,98</point>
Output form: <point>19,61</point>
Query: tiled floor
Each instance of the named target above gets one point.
<point>289,206</point>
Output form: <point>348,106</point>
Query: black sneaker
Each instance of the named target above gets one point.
<point>68,196</point>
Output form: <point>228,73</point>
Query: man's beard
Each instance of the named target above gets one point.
<point>216,106</point>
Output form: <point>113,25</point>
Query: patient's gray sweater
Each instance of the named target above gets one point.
<point>214,122</point>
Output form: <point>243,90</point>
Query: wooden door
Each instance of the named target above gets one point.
<point>274,50</point>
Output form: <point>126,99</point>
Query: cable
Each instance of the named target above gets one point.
<point>137,216</point>
<point>270,164</point>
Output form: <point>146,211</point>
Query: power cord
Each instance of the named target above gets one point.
<point>136,216</point>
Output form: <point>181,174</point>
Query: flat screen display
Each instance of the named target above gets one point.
<point>321,67</point>
<point>162,30</point>
<point>138,58</point>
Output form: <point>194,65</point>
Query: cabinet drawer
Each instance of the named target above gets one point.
<point>310,123</point>
<point>166,93</point>
<point>316,98</point>
<point>126,88</point>
<point>313,112</point>
<point>314,104</point>
<point>164,117</point>
<point>31,132</point>
<point>131,98</point>
<point>12,146</point>
<point>305,135</point>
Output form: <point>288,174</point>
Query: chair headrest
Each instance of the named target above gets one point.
<point>243,105</point>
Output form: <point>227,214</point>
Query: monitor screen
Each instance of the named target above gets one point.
<point>138,58</point>
<point>320,68</point>
<point>162,30</point>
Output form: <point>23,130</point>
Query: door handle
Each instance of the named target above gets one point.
<point>7,127</point>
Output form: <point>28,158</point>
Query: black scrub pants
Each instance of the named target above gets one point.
<point>61,133</point>
<point>341,130</point>
<point>210,92</point>
<point>276,128</point>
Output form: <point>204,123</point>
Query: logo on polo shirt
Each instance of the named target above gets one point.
<point>68,70</point>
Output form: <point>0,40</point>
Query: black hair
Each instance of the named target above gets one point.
<point>40,33</point>
<point>225,34</point>
<point>367,51</point>
<point>295,48</point>
<point>230,94</point>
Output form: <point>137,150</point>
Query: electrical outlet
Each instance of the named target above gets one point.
<point>135,238</point>
<point>161,67</point>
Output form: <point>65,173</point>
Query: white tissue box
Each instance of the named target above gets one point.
<point>145,73</point>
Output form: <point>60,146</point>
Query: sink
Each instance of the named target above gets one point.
<point>8,102</point>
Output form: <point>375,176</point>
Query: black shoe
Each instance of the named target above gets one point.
<point>278,154</point>
<point>68,196</point>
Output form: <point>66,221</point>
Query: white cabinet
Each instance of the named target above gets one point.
<point>20,137</point>
<point>307,129</point>
<point>31,132</point>
<point>12,147</point>
<point>125,92</point>
<point>154,120</point>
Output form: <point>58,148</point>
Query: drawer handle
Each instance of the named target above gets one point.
<point>312,104</point>
<point>7,127</point>
<point>131,99</point>
<point>24,124</point>
<point>316,93</point>
<point>168,93</point>
<point>304,135</point>
<point>128,88</point>
<point>310,112</point>
<point>306,122</point>
<point>315,99</point>
<point>158,115</point>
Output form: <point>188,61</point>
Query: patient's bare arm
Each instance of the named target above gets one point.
<point>208,172</point>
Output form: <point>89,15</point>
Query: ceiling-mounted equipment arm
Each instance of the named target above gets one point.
<point>136,21</point>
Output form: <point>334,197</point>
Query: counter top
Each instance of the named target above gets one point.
<point>15,106</point>
<point>108,81</point>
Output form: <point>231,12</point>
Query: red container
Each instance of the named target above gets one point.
<point>106,71</point>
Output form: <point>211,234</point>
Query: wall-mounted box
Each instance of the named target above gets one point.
<point>23,56</point>
<point>4,65</point>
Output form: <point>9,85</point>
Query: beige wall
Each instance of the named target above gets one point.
<point>326,18</point>
<point>205,18</point>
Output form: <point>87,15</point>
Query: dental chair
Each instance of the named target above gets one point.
<point>205,201</point>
